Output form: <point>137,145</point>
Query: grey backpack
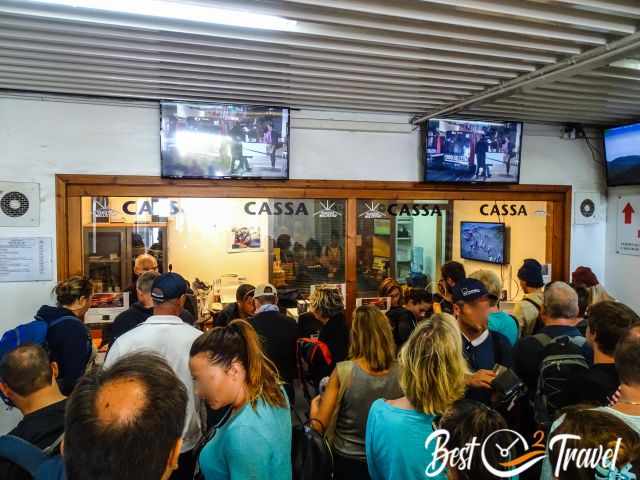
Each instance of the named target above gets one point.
<point>562,360</point>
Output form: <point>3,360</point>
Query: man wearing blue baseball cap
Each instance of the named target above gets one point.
<point>482,348</point>
<point>166,334</point>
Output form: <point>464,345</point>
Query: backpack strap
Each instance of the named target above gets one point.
<point>543,339</point>
<point>528,300</point>
<point>57,321</point>
<point>22,453</point>
<point>52,448</point>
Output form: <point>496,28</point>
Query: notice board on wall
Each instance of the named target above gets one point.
<point>628,225</point>
<point>26,259</point>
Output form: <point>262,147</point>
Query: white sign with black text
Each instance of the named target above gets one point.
<point>26,259</point>
<point>628,225</point>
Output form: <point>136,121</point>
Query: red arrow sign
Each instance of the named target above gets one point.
<point>628,213</point>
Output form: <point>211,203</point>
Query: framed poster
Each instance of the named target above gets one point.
<point>383,303</point>
<point>245,239</point>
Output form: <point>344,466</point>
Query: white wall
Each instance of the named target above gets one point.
<point>622,271</point>
<point>41,136</point>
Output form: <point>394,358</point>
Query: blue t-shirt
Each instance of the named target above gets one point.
<point>252,445</point>
<point>505,324</point>
<point>395,443</point>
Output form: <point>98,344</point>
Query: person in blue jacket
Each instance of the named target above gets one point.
<point>68,339</point>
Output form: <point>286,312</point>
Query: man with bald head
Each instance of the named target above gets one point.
<point>125,422</point>
<point>559,314</point>
<point>144,263</point>
<point>28,381</point>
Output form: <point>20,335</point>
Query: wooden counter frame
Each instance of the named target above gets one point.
<point>71,188</point>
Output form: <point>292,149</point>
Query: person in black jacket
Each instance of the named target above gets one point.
<point>482,147</point>
<point>327,305</point>
<point>28,380</point>
<point>417,307</point>
<point>243,308</point>
<point>68,340</point>
<point>278,334</point>
<point>139,311</point>
<point>608,322</point>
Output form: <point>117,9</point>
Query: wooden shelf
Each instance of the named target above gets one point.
<point>125,225</point>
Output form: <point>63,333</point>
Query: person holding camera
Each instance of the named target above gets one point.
<point>483,349</point>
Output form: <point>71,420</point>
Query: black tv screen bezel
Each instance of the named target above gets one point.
<point>226,177</point>
<point>505,260</point>
<point>423,152</point>
<point>606,162</point>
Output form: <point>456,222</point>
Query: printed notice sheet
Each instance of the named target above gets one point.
<point>26,259</point>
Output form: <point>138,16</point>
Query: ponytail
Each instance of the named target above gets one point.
<point>72,289</point>
<point>239,341</point>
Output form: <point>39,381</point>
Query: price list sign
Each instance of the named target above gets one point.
<point>26,259</point>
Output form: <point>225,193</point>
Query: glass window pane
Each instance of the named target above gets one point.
<point>404,240</point>
<point>292,243</point>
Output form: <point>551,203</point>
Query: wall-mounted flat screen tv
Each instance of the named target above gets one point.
<point>622,155</point>
<point>483,242</point>
<point>210,140</point>
<point>469,151</point>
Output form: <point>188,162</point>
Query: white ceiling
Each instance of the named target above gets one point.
<point>542,60</point>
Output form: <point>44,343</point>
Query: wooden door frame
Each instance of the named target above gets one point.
<point>71,188</point>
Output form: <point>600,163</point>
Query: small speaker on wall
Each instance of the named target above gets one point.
<point>19,204</point>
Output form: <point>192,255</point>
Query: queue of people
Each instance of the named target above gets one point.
<point>172,402</point>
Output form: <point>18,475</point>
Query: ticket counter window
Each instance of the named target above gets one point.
<point>216,243</point>
<point>404,240</point>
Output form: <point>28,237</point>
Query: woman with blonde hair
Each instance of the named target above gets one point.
<point>327,306</point>
<point>230,370</point>
<point>371,373</point>
<point>432,377</point>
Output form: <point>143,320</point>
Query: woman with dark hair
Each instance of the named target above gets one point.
<point>230,370</point>
<point>467,419</point>
<point>392,289</point>
<point>594,429</point>
<point>68,339</point>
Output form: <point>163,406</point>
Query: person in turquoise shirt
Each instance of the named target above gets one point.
<point>432,377</point>
<point>499,321</point>
<point>230,370</point>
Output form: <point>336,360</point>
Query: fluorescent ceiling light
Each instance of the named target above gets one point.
<point>630,63</point>
<point>181,11</point>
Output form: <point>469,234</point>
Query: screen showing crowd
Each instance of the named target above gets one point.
<point>468,151</point>
<point>224,141</point>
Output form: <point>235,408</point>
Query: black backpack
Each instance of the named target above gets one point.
<point>562,360</point>
<point>311,456</point>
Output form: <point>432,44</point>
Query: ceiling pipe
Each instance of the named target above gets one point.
<point>590,60</point>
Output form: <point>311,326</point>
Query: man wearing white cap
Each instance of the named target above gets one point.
<point>278,333</point>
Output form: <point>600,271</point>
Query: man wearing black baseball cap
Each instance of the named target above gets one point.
<point>165,333</point>
<point>482,348</point>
